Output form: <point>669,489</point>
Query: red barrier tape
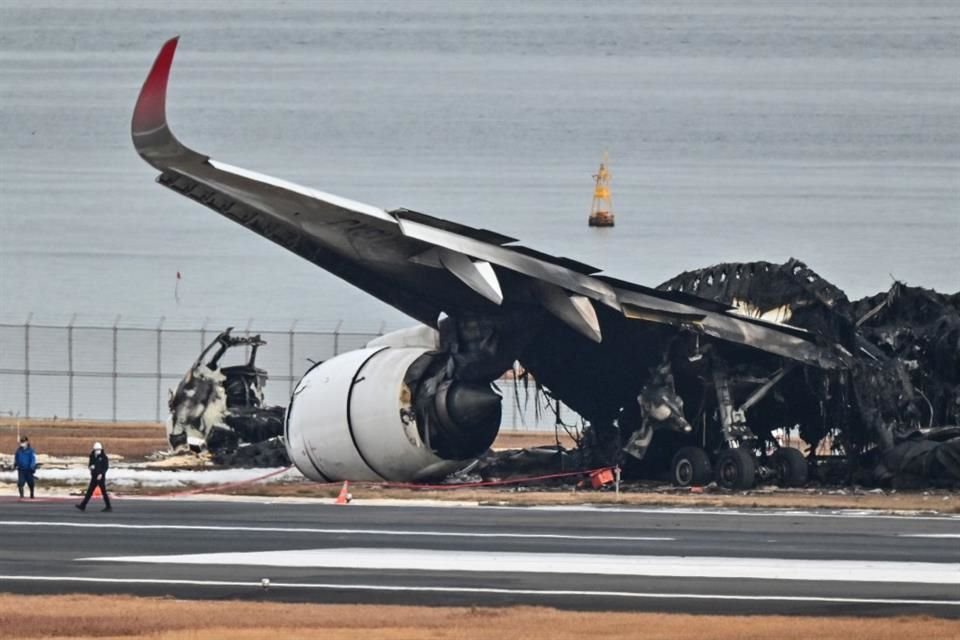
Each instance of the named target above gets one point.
<point>222,487</point>
<point>386,485</point>
<point>489,483</point>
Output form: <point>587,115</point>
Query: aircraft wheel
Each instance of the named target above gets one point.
<point>735,469</point>
<point>690,467</point>
<point>790,465</point>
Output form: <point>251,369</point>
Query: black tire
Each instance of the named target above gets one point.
<point>735,469</point>
<point>790,467</point>
<point>690,467</point>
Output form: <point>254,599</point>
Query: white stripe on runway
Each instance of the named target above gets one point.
<point>572,563</point>
<point>331,531</point>
<point>772,512</point>
<point>477,590</point>
<point>930,535</point>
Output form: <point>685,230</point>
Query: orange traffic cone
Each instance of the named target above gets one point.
<point>96,492</point>
<point>344,497</point>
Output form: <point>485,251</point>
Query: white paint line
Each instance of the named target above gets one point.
<point>478,590</point>
<point>930,535</point>
<point>751,513</point>
<point>330,531</point>
<point>571,563</point>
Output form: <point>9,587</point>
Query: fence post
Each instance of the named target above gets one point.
<point>203,334</point>
<point>114,389</point>
<point>246,333</point>
<point>336,338</point>
<point>159,365</point>
<point>290,358</point>
<point>73,318</point>
<point>26,366</point>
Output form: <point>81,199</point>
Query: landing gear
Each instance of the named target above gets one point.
<point>690,467</point>
<point>790,467</point>
<point>736,469</point>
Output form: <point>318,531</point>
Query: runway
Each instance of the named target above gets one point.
<point>675,560</point>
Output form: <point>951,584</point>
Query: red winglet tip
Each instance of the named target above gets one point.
<point>150,112</point>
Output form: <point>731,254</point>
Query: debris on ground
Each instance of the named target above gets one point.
<point>511,464</point>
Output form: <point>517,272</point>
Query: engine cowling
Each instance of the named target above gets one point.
<point>352,418</point>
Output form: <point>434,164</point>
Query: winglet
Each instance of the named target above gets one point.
<point>152,137</point>
<point>151,111</point>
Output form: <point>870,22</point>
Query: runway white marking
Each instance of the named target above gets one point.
<point>752,513</point>
<point>477,590</point>
<point>930,535</point>
<point>332,531</point>
<point>571,563</point>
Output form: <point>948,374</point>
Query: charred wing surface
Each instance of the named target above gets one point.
<point>648,368</point>
<point>220,408</point>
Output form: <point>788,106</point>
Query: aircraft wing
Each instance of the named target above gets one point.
<point>423,265</point>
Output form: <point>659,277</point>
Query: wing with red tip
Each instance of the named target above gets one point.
<point>423,265</point>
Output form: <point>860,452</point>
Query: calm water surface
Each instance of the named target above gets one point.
<point>737,131</point>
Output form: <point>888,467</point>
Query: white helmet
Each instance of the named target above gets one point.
<point>97,446</point>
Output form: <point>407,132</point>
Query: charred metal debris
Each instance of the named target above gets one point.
<point>220,410</point>
<point>891,415</point>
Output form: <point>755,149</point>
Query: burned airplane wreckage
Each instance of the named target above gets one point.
<point>892,411</point>
<point>220,409</point>
<point>694,378</point>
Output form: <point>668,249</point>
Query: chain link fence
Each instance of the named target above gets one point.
<point>125,373</point>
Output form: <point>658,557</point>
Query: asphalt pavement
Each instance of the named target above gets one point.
<point>676,560</point>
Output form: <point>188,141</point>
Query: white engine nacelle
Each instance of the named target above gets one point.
<point>352,418</point>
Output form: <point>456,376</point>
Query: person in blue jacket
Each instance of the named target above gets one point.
<point>25,462</point>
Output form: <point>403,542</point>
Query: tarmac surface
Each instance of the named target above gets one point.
<point>644,559</point>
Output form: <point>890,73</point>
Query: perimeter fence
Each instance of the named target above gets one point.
<point>125,373</point>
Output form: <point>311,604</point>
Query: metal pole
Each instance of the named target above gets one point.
<point>70,367</point>
<point>336,338</point>
<point>114,389</point>
<point>26,366</point>
<point>203,334</point>
<point>290,358</point>
<point>159,361</point>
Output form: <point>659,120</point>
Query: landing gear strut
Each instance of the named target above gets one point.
<point>736,466</point>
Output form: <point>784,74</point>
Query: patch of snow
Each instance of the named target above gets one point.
<point>130,477</point>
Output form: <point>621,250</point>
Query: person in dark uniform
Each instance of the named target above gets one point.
<point>25,462</point>
<point>99,463</point>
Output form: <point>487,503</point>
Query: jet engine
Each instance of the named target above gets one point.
<point>369,415</point>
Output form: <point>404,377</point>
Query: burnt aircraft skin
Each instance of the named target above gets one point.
<point>597,343</point>
<point>921,328</point>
